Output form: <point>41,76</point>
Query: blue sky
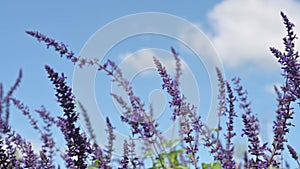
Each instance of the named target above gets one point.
<point>240,31</point>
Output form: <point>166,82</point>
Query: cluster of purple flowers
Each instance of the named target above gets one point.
<point>59,47</point>
<point>82,151</point>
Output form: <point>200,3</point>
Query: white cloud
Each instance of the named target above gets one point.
<point>244,30</point>
<point>142,60</point>
<point>137,60</point>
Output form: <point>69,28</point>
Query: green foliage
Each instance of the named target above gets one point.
<point>92,167</point>
<point>211,166</point>
<point>170,160</point>
<point>96,163</point>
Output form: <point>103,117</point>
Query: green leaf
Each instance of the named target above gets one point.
<point>168,159</point>
<point>211,166</point>
<point>157,163</point>
<point>173,156</point>
<point>215,130</point>
<point>97,162</point>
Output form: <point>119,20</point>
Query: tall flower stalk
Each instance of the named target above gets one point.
<point>78,145</point>
<point>290,90</point>
<point>251,130</point>
<point>189,120</point>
